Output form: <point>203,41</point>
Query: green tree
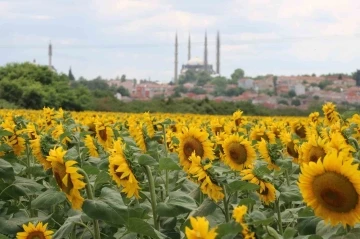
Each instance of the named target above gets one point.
<point>220,85</point>
<point>295,102</point>
<point>275,84</point>
<point>291,93</point>
<point>237,74</point>
<point>71,76</point>
<point>123,78</point>
<point>123,91</point>
<point>356,77</point>
<point>202,78</point>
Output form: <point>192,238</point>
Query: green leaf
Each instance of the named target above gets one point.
<point>258,218</point>
<point>139,226</point>
<point>307,226</point>
<point>207,207</point>
<point>5,133</point>
<point>47,199</point>
<point>290,194</point>
<point>272,232</point>
<point>178,203</point>
<point>109,207</point>
<point>353,234</point>
<point>242,186</point>
<point>90,170</point>
<point>326,230</point>
<point>168,164</point>
<point>228,230</point>
<point>289,233</point>
<point>21,187</point>
<point>146,159</point>
<point>3,236</point>
<point>72,154</point>
<point>14,225</point>
<point>102,178</point>
<point>65,230</point>
<point>6,171</point>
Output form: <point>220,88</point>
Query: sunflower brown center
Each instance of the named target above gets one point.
<point>335,192</point>
<point>218,129</point>
<point>290,147</point>
<point>59,173</point>
<point>315,153</point>
<point>237,152</point>
<point>35,235</point>
<point>192,145</point>
<point>238,121</point>
<point>103,134</point>
<point>265,191</point>
<point>300,131</point>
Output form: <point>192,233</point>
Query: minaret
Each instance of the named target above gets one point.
<point>205,54</point>
<point>218,53</point>
<point>189,48</point>
<point>176,60</point>
<point>50,55</point>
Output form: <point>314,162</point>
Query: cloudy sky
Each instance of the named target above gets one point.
<point>136,37</point>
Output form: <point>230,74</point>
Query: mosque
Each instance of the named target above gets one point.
<point>196,64</point>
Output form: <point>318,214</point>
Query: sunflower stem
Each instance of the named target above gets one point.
<point>90,196</point>
<point>73,232</point>
<point>277,208</point>
<point>152,195</point>
<point>226,204</point>
<point>166,154</point>
<point>287,177</point>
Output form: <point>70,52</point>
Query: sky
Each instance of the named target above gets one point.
<point>109,38</point>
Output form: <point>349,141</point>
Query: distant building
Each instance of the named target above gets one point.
<point>197,65</point>
<point>246,84</point>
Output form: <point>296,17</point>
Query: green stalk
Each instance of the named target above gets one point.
<point>287,177</point>
<point>277,208</point>
<point>226,205</point>
<point>166,171</point>
<point>90,196</point>
<point>153,195</point>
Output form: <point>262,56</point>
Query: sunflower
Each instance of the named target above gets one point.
<point>90,145</point>
<point>15,140</point>
<point>193,139</point>
<point>200,229</point>
<point>239,213</point>
<point>266,192</point>
<point>313,150</point>
<point>57,131</point>
<point>339,144</point>
<point>291,145</point>
<point>136,131</point>
<point>149,124</point>
<point>67,177</point>
<point>104,133</point>
<point>269,153</point>
<point>121,173</point>
<point>49,116</point>
<point>299,128</point>
<point>314,117</point>
<point>330,113</point>
<point>331,187</point>
<point>355,120</point>
<point>261,132</point>
<point>217,125</point>
<point>268,195</point>
<point>238,117</point>
<point>198,171</point>
<point>35,145</point>
<point>238,152</point>
<point>35,232</point>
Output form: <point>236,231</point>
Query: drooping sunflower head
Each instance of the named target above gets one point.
<point>238,152</point>
<point>268,194</point>
<point>291,145</point>
<point>270,153</point>
<point>66,176</point>
<point>200,229</point>
<point>330,113</point>
<point>355,121</point>
<point>313,150</point>
<point>36,147</point>
<point>104,133</point>
<point>331,187</point>
<point>35,232</point>
<point>148,120</point>
<point>217,125</point>
<point>260,132</point>
<point>121,172</point>
<point>299,128</point>
<point>194,139</point>
<point>238,117</point>
<point>340,145</point>
<point>90,145</point>
<point>49,116</point>
<point>314,117</point>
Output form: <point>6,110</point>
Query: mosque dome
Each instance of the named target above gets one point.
<point>195,61</point>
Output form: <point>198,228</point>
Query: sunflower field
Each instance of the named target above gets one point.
<point>121,175</point>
